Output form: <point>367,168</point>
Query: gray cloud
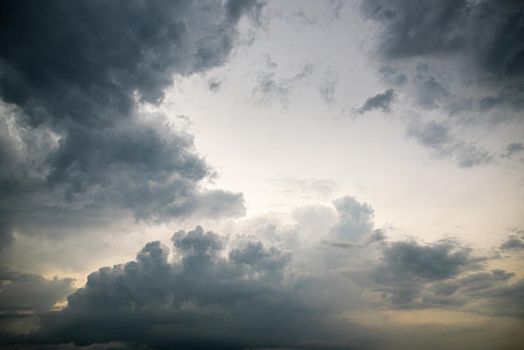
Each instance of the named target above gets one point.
<point>236,291</point>
<point>512,149</point>
<point>408,266</point>
<point>434,262</point>
<point>72,75</point>
<point>464,59</point>
<point>24,294</point>
<point>214,84</point>
<point>393,76</point>
<point>488,32</point>
<point>430,93</point>
<point>380,101</point>
<point>437,138</point>
<point>203,298</point>
<point>480,40</point>
<point>355,219</point>
<point>513,243</point>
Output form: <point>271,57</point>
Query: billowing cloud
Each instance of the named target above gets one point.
<point>265,290</point>
<point>203,297</point>
<point>72,79</point>
<point>355,219</point>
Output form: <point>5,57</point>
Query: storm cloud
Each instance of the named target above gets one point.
<point>488,32</point>
<point>203,296</point>
<point>73,76</point>
<point>115,115</point>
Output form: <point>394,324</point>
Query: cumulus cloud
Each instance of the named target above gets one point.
<point>274,286</point>
<point>355,219</point>
<point>204,296</point>
<point>380,101</point>
<point>72,76</point>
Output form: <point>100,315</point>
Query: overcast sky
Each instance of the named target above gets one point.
<point>248,174</point>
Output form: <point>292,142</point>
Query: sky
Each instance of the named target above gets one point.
<point>262,174</point>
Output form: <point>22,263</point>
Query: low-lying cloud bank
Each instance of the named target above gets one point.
<point>276,287</point>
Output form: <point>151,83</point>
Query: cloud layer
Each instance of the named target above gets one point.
<point>267,290</point>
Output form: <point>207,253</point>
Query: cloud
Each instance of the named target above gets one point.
<point>392,76</point>
<point>355,219</point>
<point>513,243</point>
<point>25,294</point>
<point>408,267</point>
<point>437,138</point>
<point>461,59</point>
<point>381,101</point>
<point>488,32</point>
<point>214,84</point>
<point>270,86</point>
<point>478,41</point>
<point>512,149</point>
<point>205,297</point>
<point>73,78</point>
<point>441,260</point>
<point>274,286</point>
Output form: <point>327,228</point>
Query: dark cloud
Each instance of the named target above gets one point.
<point>489,32</point>
<point>381,101</point>
<point>441,260</point>
<point>513,243</point>
<point>484,36</point>
<point>211,291</point>
<point>407,266</point>
<point>71,78</point>
<point>6,235</point>
<point>203,298</point>
<point>24,294</point>
<point>444,275</point>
